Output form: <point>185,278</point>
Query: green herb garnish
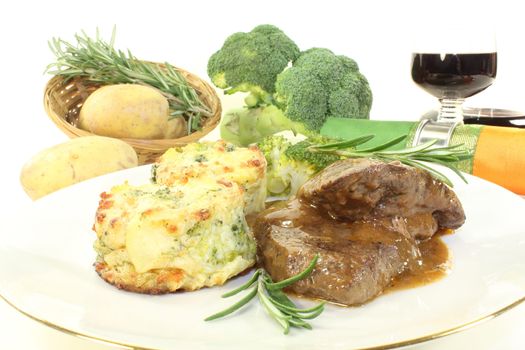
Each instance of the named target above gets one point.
<point>99,62</point>
<point>412,156</point>
<point>274,300</point>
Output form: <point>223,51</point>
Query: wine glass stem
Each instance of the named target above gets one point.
<point>451,110</point>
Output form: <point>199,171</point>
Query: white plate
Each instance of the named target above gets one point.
<point>46,272</point>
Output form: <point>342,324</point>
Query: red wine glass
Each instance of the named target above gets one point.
<point>452,71</point>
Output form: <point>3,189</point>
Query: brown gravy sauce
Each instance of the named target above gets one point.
<point>432,265</point>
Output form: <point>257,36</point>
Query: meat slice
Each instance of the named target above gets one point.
<point>354,189</point>
<point>357,260</point>
<point>365,220</point>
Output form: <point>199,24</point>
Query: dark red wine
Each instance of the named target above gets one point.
<point>454,75</point>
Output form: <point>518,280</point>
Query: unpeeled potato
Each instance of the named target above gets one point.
<point>177,127</point>
<point>129,111</point>
<point>74,161</point>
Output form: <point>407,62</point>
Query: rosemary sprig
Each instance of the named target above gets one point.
<point>412,156</point>
<point>274,300</point>
<point>99,62</point>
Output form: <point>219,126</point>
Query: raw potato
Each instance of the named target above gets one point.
<point>129,111</point>
<point>177,127</point>
<point>74,161</point>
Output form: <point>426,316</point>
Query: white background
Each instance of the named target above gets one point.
<point>377,34</point>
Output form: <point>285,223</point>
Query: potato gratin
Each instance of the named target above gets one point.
<point>157,238</point>
<point>245,166</point>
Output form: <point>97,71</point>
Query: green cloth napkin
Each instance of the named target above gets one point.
<point>346,128</point>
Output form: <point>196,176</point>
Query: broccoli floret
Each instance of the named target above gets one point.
<point>320,85</point>
<point>250,62</point>
<point>282,171</point>
<point>327,67</point>
<point>297,97</point>
<point>290,165</point>
<point>319,161</point>
<point>345,102</point>
<point>302,97</point>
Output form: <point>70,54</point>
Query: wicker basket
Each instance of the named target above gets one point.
<point>63,100</point>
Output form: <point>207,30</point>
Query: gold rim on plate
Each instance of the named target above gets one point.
<point>395,345</point>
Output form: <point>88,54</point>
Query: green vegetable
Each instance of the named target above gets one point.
<point>274,300</point>
<point>321,85</point>
<point>250,62</point>
<point>306,87</point>
<point>290,165</point>
<point>99,62</point>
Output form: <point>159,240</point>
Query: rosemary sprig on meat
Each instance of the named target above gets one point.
<point>413,156</point>
<point>274,300</point>
<point>99,62</point>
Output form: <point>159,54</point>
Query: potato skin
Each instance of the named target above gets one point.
<point>74,161</point>
<point>126,111</point>
<point>177,127</point>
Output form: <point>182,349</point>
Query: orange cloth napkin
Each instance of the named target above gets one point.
<point>500,157</point>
